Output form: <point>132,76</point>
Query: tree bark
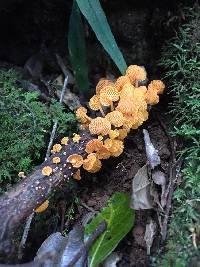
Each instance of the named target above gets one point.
<point>17,204</point>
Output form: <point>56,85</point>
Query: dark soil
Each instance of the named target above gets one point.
<point>38,29</point>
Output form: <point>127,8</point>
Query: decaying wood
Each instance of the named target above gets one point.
<point>17,204</point>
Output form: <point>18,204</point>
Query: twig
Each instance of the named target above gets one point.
<point>62,65</point>
<point>25,235</point>
<point>56,121</point>
<point>100,229</point>
<point>172,178</point>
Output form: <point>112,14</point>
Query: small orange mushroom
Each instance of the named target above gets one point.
<point>157,85</point>
<point>115,147</point>
<point>102,84</point>
<point>42,207</point>
<point>152,97</point>
<point>100,126</point>
<point>93,145</point>
<point>64,140</point>
<point>56,148</point>
<point>47,171</point>
<point>109,95</point>
<point>81,114</point>
<point>77,175</point>
<point>21,175</point>
<point>56,160</point>
<point>122,134</point>
<point>76,138</point>
<point>95,104</point>
<point>116,118</point>
<point>76,160</point>
<point>121,81</point>
<point>135,73</point>
<point>113,134</point>
<point>92,163</point>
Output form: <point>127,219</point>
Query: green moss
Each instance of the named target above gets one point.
<point>25,129</point>
<point>181,61</point>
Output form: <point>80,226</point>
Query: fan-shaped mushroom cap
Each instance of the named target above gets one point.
<point>64,140</point>
<point>157,85</point>
<point>93,145</point>
<point>77,175</point>
<point>76,138</point>
<point>141,117</point>
<point>121,81</point>
<point>126,103</point>
<point>122,134</point>
<point>76,160</point>
<point>135,72</point>
<point>100,126</point>
<point>81,114</point>
<point>47,171</point>
<point>56,160</point>
<point>113,134</point>
<point>102,84</point>
<point>92,163</point>
<point>42,207</point>
<point>115,147</point>
<point>152,97</point>
<point>94,103</point>
<point>103,153</point>
<point>116,118</point>
<point>56,148</point>
<point>109,95</point>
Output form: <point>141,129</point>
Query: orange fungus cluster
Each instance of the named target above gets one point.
<point>119,106</point>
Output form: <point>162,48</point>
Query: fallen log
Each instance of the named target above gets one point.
<point>17,204</point>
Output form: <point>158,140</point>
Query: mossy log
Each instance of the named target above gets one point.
<point>17,204</point>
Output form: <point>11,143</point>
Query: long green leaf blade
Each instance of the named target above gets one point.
<point>77,50</point>
<point>94,13</point>
<point>119,218</point>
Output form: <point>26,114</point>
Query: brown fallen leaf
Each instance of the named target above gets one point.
<point>141,198</point>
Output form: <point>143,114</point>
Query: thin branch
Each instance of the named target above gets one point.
<point>53,132</point>
<point>100,229</point>
<point>25,235</point>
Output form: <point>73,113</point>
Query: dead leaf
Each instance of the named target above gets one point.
<point>141,198</point>
<point>152,154</point>
<point>65,247</point>
<point>149,235</point>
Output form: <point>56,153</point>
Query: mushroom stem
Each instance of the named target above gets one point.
<point>101,110</point>
<point>111,106</point>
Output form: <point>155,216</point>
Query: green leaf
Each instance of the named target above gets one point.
<point>95,15</point>
<point>77,50</point>
<point>119,218</point>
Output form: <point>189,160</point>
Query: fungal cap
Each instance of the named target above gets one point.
<point>76,138</point>
<point>76,160</point>
<point>122,134</point>
<point>64,140</point>
<point>94,103</point>
<point>81,115</point>
<point>21,174</point>
<point>152,97</point>
<point>100,126</point>
<point>56,148</point>
<point>113,134</point>
<point>157,85</point>
<point>116,118</point>
<point>93,145</point>
<point>92,163</point>
<point>47,171</point>
<point>135,72</point>
<point>42,207</point>
<point>108,95</point>
<point>102,84</point>
<point>115,147</point>
<point>56,160</point>
<point>121,81</point>
<point>77,175</point>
